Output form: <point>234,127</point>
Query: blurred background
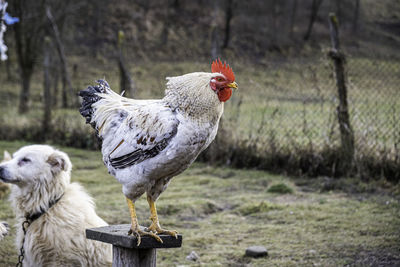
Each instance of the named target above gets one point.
<point>303,106</point>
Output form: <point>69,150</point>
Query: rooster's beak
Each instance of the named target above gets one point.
<point>233,85</point>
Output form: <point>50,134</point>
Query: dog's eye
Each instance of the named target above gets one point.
<point>23,161</point>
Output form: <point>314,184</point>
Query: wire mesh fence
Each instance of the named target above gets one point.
<point>294,116</point>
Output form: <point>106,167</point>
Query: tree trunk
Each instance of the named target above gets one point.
<point>46,89</point>
<point>274,17</point>
<point>339,9</point>
<point>26,75</point>
<point>126,82</point>
<point>10,76</point>
<point>314,12</point>
<point>215,47</point>
<point>56,75</point>
<point>215,51</point>
<point>64,94</point>
<point>60,48</point>
<point>28,33</point>
<point>170,20</point>
<point>228,18</point>
<point>293,13</point>
<point>8,68</point>
<point>356,17</point>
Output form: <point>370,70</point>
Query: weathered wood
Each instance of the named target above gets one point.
<point>338,58</point>
<point>123,257</point>
<point>117,235</point>
<point>125,249</point>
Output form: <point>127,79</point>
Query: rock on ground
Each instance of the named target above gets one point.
<point>192,256</point>
<point>256,251</point>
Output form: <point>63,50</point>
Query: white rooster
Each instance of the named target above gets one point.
<point>145,143</point>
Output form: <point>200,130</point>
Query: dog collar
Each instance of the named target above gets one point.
<point>36,215</point>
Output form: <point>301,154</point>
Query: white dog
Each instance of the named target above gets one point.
<point>3,190</point>
<point>3,230</point>
<point>58,211</point>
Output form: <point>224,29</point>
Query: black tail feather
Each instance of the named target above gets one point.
<point>89,97</point>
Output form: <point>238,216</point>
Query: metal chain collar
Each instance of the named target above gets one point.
<point>25,225</point>
<point>28,221</point>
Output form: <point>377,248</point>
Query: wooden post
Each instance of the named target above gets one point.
<point>346,131</point>
<point>125,249</point>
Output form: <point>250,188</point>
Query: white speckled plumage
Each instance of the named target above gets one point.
<point>147,142</point>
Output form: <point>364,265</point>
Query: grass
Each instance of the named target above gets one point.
<point>222,211</point>
<point>280,188</point>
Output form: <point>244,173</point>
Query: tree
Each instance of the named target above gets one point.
<point>66,81</point>
<point>215,46</point>
<point>356,16</point>
<point>293,13</point>
<point>126,82</point>
<point>46,87</point>
<point>172,11</point>
<point>314,12</point>
<point>228,18</point>
<point>28,35</point>
<point>339,9</point>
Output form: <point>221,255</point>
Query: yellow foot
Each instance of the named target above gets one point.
<point>156,228</point>
<point>139,233</point>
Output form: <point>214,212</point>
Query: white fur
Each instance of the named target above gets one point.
<point>3,230</point>
<point>40,174</point>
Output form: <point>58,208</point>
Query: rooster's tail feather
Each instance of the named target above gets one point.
<point>89,97</point>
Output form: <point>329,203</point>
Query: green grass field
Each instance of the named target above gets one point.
<point>222,211</point>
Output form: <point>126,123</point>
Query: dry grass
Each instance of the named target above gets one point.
<point>222,211</point>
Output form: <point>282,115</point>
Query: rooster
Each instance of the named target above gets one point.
<point>145,143</point>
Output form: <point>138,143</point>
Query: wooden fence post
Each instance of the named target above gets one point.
<point>346,131</point>
<point>125,249</point>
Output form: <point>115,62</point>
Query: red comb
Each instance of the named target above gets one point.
<point>217,66</point>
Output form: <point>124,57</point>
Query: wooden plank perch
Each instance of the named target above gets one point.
<point>125,249</point>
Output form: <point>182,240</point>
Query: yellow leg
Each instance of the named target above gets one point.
<point>135,228</point>
<point>155,225</point>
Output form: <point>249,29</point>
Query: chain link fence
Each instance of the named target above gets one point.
<point>294,126</point>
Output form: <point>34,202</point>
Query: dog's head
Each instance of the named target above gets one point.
<point>35,164</point>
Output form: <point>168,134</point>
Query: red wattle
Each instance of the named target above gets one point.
<point>224,94</point>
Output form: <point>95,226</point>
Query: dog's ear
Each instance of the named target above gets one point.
<point>6,156</point>
<point>59,161</point>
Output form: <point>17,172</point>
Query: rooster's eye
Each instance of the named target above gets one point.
<point>220,79</point>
